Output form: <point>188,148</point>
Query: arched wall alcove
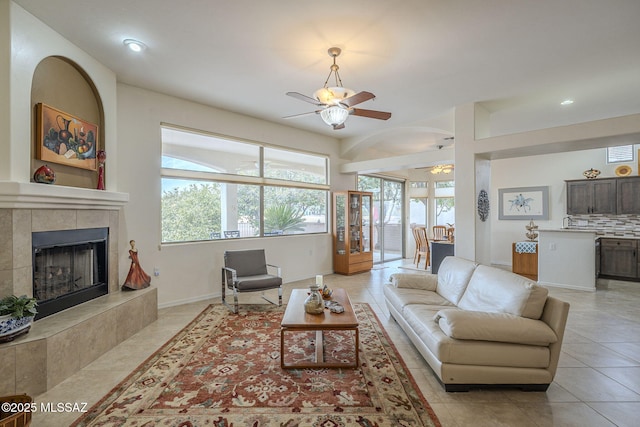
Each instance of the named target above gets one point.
<point>62,84</point>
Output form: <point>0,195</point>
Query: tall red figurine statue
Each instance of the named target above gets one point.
<point>101,156</point>
<point>137,278</point>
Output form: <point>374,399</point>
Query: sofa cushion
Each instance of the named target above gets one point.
<point>501,327</point>
<point>453,277</point>
<point>471,352</point>
<point>499,291</point>
<point>428,282</point>
<point>400,297</point>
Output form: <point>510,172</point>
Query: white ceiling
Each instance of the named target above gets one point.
<point>421,58</point>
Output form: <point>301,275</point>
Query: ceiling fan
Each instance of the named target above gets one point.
<point>337,102</point>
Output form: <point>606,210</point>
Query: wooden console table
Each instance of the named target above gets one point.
<point>524,259</point>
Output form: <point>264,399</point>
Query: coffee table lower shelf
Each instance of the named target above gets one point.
<point>319,353</point>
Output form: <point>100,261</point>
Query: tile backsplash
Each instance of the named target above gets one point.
<point>614,225</point>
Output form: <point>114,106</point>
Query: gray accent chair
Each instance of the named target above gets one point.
<point>247,271</point>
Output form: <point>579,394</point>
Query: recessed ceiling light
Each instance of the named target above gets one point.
<point>134,45</point>
<point>567,102</point>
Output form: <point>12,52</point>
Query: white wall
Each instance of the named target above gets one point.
<point>533,171</point>
<point>192,271</point>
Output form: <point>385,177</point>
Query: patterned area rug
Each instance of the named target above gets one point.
<point>223,370</point>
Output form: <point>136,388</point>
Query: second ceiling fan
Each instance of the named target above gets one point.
<point>337,102</point>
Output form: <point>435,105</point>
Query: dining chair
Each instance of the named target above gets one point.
<point>422,246</point>
<point>416,239</point>
<point>439,232</point>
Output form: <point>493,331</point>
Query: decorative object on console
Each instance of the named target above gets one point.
<point>314,303</point>
<point>483,205</point>
<point>591,173</point>
<point>532,229</point>
<point>137,278</point>
<point>65,139</point>
<point>102,156</point>
<point>623,170</point>
<point>44,175</point>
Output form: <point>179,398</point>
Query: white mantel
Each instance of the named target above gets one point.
<point>29,195</point>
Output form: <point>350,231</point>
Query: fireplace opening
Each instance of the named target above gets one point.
<point>69,267</point>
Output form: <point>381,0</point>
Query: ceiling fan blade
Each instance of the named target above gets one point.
<point>340,126</point>
<point>372,114</point>
<point>302,114</point>
<point>357,98</point>
<point>305,98</point>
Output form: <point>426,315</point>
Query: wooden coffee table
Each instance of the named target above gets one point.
<point>295,319</point>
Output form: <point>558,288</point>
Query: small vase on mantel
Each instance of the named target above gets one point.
<point>44,175</point>
<point>314,303</point>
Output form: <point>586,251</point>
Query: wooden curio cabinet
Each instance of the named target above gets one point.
<point>352,232</point>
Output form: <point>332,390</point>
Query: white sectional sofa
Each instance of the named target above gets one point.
<point>480,326</point>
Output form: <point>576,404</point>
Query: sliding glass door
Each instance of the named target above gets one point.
<point>388,216</point>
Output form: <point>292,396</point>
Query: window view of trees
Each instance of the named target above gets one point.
<point>200,201</point>
<point>445,203</point>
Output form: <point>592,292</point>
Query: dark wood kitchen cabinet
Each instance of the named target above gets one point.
<point>592,196</point>
<point>619,258</point>
<point>628,190</point>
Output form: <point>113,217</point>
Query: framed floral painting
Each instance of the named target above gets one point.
<point>65,139</point>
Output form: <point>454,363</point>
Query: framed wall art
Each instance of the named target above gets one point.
<point>525,203</point>
<point>65,139</point>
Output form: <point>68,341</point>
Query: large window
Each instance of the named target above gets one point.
<point>445,203</point>
<point>219,188</point>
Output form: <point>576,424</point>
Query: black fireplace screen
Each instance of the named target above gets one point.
<point>69,268</point>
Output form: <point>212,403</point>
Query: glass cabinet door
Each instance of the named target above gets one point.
<point>366,223</point>
<point>341,209</point>
<point>354,223</point>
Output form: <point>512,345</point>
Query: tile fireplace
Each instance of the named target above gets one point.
<point>69,267</point>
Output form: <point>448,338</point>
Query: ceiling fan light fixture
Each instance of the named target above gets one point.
<point>441,169</point>
<point>334,115</point>
<point>333,95</point>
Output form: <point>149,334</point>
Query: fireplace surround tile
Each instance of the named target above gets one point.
<point>23,280</point>
<point>98,337</point>
<point>6,243</point>
<point>6,282</point>
<point>53,219</point>
<point>31,367</point>
<point>92,219</point>
<point>8,363</point>
<point>22,238</point>
<point>63,358</point>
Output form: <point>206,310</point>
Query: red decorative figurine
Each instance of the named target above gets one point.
<point>101,156</point>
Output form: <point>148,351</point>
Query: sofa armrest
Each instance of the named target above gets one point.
<point>499,327</point>
<point>427,282</point>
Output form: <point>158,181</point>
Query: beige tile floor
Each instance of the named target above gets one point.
<point>597,384</point>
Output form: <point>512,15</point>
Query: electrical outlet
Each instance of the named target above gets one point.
<point>156,271</point>
<point>552,246</point>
